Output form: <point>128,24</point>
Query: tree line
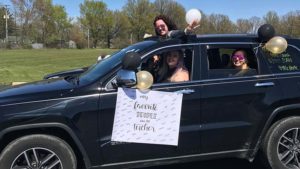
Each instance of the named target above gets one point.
<point>35,21</point>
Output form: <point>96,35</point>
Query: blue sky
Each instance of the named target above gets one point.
<point>235,9</point>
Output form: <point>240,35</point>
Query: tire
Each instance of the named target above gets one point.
<point>42,151</point>
<point>281,146</point>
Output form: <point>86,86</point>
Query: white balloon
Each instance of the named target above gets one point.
<point>193,15</point>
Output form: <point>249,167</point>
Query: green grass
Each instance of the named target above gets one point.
<point>32,65</point>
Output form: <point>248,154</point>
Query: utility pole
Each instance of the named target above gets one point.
<point>6,17</point>
<point>88,38</point>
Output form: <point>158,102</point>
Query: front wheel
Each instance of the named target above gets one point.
<point>281,146</point>
<point>38,152</point>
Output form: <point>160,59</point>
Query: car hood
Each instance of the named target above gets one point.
<point>45,89</point>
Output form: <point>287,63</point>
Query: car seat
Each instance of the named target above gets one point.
<point>225,61</point>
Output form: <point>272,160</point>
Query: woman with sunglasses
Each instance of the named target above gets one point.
<point>239,61</point>
<point>164,27</point>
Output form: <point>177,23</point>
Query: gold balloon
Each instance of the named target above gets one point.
<point>276,45</point>
<point>144,80</point>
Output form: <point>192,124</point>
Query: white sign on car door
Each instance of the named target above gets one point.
<point>151,117</point>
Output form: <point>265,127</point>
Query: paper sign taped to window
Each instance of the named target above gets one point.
<point>151,117</point>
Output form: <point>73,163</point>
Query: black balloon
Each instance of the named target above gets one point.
<point>265,32</point>
<point>131,61</point>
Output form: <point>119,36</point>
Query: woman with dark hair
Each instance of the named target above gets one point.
<point>163,26</point>
<point>239,59</point>
<point>173,69</point>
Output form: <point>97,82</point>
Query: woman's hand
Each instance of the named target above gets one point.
<point>191,27</point>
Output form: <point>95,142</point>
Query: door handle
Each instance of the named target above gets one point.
<point>185,91</point>
<point>265,84</point>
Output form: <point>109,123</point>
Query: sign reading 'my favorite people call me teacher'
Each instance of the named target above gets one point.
<point>150,117</point>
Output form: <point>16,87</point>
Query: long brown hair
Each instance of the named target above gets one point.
<point>164,70</point>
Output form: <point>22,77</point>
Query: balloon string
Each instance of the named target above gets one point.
<point>256,48</point>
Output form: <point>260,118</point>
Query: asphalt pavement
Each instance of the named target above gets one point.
<point>215,164</point>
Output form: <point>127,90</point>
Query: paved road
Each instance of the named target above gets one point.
<point>215,164</point>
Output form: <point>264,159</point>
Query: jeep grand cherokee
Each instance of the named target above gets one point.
<point>67,122</point>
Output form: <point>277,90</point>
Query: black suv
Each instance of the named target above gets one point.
<point>67,122</point>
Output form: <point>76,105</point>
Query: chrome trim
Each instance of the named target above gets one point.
<point>212,82</point>
<point>185,91</point>
<point>209,80</point>
<point>287,73</point>
<point>37,101</point>
<point>170,46</point>
<point>266,84</point>
<point>104,94</point>
<point>185,45</point>
<point>199,43</point>
<point>294,47</point>
<point>174,158</point>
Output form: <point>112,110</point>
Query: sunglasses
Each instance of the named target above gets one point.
<point>238,57</point>
<point>160,26</point>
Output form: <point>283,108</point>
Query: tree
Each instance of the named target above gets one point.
<point>272,18</point>
<point>10,23</point>
<point>218,23</point>
<point>61,21</point>
<point>204,24</point>
<point>77,35</point>
<point>173,10</point>
<point>24,13</point>
<point>43,25</point>
<point>243,26</point>
<point>93,13</point>
<point>116,24</point>
<point>255,23</point>
<point>291,23</point>
<point>140,14</point>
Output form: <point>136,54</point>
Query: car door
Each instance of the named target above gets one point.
<point>286,68</point>
<point>234,108</point>
<point>115,153</point>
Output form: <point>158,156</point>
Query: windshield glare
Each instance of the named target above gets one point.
<point>104,66</point>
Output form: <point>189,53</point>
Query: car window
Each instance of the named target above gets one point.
<point>288,61</point>
<point>148,65</point>
<point>162,66</point>
<point>222,62</point>
<point>106,65</point>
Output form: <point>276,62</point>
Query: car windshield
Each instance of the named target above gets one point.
<point>104,66</point>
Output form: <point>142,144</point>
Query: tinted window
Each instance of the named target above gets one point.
<point>221,64</point>
<point>161,70</point>
<point>106,65</point>
<point>288,61</point>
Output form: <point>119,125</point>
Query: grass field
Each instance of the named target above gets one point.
<point>32,65</point>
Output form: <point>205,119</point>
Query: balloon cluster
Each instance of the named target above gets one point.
<point>131,62</point>
<point>274,44</point>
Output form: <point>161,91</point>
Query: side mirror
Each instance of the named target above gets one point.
<point>126,78</point>
<point>127,75</point>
